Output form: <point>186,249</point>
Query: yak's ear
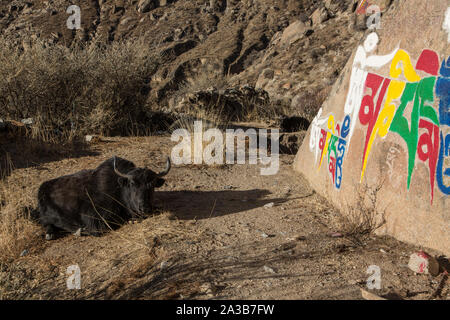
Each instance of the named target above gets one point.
<point>122,181</point>
<point>159,183</point>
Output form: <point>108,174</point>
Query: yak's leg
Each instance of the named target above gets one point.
<point>92,226</point>
<point>50,232</point>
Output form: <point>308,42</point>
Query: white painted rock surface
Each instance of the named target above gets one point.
<point>421,262</point>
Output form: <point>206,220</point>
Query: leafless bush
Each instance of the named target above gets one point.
<point>363,217</point>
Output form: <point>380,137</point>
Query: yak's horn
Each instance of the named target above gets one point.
<point>119,173</point>
<point>166,170</point>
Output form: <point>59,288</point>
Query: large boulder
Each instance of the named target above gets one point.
<point>319,16</point>
<point>293,32</point>
<point>385,128</point>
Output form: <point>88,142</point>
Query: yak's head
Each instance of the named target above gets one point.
<point>138,186</point>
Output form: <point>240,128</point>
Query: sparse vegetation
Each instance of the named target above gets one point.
<point>363,217</point>
<point>208,95</point>
<point>135,72</point>
<point>17,231</point>
<point>308,103</point>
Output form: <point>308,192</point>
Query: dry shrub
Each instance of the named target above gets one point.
<point>363,217</point>
<point>84,89</point>
<point>257,110</point>
<point>208,117</point>
<point>213,111</point>
<point>99,119</point>
<point>206,78</point>
<point>208,96</point>
<point>308,103</point>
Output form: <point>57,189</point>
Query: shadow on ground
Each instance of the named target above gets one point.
<point>207,204</point>
<point>183,277</point>
<point>21,153</point>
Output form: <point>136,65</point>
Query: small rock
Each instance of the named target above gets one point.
<point>287,86</point>
<point>336,235</point>
<point>163,265</point>
<point>269,270</point>
<point>269,205</point>
<point>293,32</point>
<point>207,288</point>
<point>264,235</point>
<point>422,262</point>
<point>268,74</point>
<point>319,16</point>
<point>24,253</point>
<point>77,233</point>
<point>91,138</point>
<point>125,21</point>
<point>146,5</point>
<point>383,251</point>
<point>2,125</point>
<point>228,187</point>
<point>27,122</point>
<point>370,296</point>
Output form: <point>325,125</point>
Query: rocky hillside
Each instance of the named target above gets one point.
<point>293,49</point>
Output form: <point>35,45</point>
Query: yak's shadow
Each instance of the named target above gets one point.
<point>206,204</point>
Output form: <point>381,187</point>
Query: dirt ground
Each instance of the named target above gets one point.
<point>217,236</point>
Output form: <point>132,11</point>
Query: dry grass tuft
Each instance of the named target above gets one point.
<point>364,217</point>
<point>17,231</point>
<point>151,237</point>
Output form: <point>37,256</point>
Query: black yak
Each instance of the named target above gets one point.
<point>98,200</point>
